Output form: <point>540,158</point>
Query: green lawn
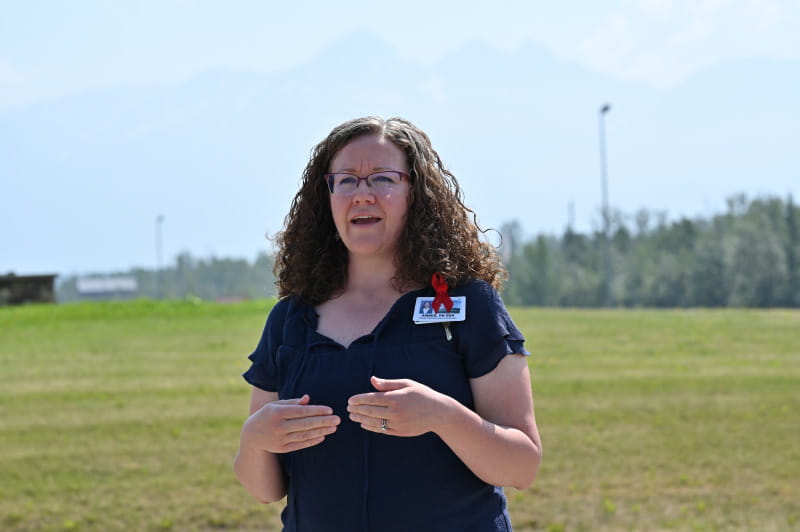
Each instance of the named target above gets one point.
<point>126,416</point>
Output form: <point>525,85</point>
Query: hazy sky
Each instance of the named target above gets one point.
<point>52,48</point>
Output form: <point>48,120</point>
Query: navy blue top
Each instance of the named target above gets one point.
<point>357,480</point>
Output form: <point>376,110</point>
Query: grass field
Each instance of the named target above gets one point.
<point>126,416</point>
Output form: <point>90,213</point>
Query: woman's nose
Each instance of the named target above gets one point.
<point>363,193</point>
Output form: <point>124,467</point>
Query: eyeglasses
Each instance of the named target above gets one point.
<point>343,184</point>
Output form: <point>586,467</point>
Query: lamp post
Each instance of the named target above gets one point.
<point>606,215</point>
<point>159,223</point>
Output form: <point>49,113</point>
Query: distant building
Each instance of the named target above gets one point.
<point>19,289</point>
<point>118,287</point>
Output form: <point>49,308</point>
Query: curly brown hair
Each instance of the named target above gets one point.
<point>441,236</point>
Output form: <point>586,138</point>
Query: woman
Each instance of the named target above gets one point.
<point>366,419</point>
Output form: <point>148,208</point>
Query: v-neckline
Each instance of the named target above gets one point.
<point>375,330</point>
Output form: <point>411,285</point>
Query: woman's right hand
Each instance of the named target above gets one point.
<point>289,424</point>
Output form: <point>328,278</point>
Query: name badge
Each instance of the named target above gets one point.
<point>424,313</point>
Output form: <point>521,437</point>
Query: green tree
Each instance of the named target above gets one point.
<point>792,298</point>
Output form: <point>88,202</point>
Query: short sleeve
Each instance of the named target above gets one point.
<point>488,333</point>
<point>263,370</point>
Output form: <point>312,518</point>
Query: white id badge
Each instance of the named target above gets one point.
<point>424,313</point>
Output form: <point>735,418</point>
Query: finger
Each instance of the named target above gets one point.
<point>302,411</point>
<point>371,398</point>
<point>307,435</point>
<point>374,423</point>
<point>387,385</point>
<point>368,410</point>
<point>295,401</point>
<point>372,427</point>
<point>296,446</point>
<point>300,425</point>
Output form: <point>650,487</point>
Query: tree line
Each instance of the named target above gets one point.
<point>745,257</point>
<point>211,279</point>
<point>748,256</point>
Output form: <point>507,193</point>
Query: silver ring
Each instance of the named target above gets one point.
<point>384,426</point>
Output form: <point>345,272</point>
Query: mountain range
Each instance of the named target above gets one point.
<point>220,155</point>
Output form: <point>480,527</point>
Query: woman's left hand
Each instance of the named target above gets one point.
<point>409,408</point>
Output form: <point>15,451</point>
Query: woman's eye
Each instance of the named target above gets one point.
<point>383,179</point>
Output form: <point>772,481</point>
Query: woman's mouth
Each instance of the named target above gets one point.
<point>365,219</point>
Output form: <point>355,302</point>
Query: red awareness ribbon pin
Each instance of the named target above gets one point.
<point>440,286</point>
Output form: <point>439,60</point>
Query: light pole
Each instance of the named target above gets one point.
<point>159,223</point>
<point>606,215</point>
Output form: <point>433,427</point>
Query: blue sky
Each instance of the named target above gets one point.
<point>52,51</point>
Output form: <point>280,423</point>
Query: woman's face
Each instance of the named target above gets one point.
<point>370,224</point>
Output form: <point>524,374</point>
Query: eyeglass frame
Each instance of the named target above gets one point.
<point>331,176</point>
